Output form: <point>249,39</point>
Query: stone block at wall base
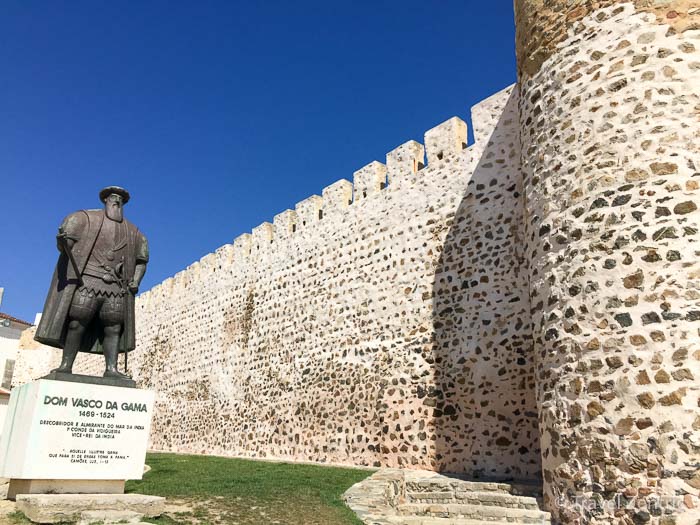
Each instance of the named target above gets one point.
<point>56,508</point>
<point>109,516</point>
<point>64,486</point>
<point>90,517</point>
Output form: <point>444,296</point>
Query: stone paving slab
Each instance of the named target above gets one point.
<point>493,498</point>
<point>483,512</point>
<point>109,516</point>
<point>422,520</point>
<point>55,508</point>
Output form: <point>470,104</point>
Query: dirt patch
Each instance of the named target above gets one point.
<point>241,511</point>
<point>7,507</point>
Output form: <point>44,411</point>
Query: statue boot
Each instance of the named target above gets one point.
<point>70,347</point>
<point>111,352</point>
<point>66,366</point>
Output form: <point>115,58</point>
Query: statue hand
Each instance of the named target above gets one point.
<point>63,240</point>
<point>133,287</point>
<point>60,240</point>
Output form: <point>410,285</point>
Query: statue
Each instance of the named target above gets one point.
<point>90,304</point>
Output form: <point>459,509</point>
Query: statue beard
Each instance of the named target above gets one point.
<point>114,211</point>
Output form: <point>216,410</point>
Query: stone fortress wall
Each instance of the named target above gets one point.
<point>34,359</point>
<point>353,329</point>
<point>528,304</point>
<point>610,131</point>
<point>383,323</point>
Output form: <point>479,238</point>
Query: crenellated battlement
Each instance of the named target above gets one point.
<point>309,211</point>
<point>241,246</point>
<point>369,180</point>
<point>285,223</point>
<point>262,236</point>
<point>448,138</point>
<point>403,165</point>
<point>337,196</point>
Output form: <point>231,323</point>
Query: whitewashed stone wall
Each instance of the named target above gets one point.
<point>33,360</point>
<point>384,322</point>
<point>610,130</point>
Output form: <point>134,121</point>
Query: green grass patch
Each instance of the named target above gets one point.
<point>211,490</point>
<point>18,518</point>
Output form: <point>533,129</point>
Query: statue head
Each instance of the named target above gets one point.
<point>114,199</point>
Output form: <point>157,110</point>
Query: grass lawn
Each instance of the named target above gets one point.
<point>208,490</point>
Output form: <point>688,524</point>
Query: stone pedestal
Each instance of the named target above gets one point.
<point>69,437</point>
<point>93,380</point>
<point>64,486</point>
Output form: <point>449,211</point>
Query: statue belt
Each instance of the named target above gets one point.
<point>97,287</point>
<point>107,273</point>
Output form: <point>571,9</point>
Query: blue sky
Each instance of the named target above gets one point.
<point>216,115</point>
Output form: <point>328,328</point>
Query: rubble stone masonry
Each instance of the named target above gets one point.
<point>609,115</point>
<point>382,323</point>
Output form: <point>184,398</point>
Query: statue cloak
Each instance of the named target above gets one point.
<point>84,227</point>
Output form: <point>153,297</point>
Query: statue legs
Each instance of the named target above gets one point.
<point>85,306</point>
<point>110,345</point>
<point>82,309</point>
<point>112,318</point>
<point>74,335</point>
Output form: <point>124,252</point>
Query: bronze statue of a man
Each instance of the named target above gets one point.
<point>90,305</point>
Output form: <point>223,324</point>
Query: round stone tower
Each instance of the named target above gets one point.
<point>610,129</point>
